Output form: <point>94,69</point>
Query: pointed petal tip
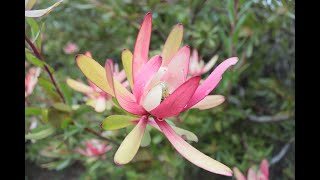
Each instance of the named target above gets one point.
<point>229,172</point>
<point>117,163</point>
<point>179,25</point>
<point>192,154</point>
<point>148,15</point>
<point>77,56</point>
<point>233,60</point>
<point>226,172</point>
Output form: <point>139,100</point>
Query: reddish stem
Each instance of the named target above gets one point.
<point>39,56</point>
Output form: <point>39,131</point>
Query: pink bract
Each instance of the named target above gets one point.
<point>261,174</point>
<point>94,148</point>
<point>31,80</point>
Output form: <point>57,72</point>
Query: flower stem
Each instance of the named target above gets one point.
<point>39,56</point>
<point>100,136</point>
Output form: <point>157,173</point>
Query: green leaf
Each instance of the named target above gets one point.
<point>29,4</point>
<point>66,91</point>
<point>185,134</point>
<point>126,58</point>
<point>41,12</point>
<point>32,111</point>
<point>95,73</point>
<point>240,23</point>
<point>49,89</point>
<point>44,115</point>
<point>66,122</point>
<point>146,139</point>
<point>34,60</point>
<point>117,122</point>
<point>40,132</point>
<point>34,27</point>
<point>35,32</point>
<point>82,110</point>
<point>57,117</point>
<point>62,107</point>
<point>231,10</point>
<point>37,62</point>
<point>244,8</point>
<point>172,44</point>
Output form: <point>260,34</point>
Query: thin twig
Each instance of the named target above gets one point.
<point>196,11</point>
<point>265,119</point>
<point>233,24</point>
<point>89,130</point>
<point>281,154</point>
<point>39,56</point>
<point>100,136</point>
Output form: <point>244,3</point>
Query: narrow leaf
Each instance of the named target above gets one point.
<point>114,122</point>
<point>126,58</point>
<point>41,12</point>
<point>40,132</point>
<point>172,44</point>
<point>130,145</point>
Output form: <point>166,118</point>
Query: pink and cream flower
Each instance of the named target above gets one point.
<point>160,88</point>
<point>197,66</point>
<point>31,80</point>
<point>70,48</point>
<point>262,174</point>
<point>94,148</point>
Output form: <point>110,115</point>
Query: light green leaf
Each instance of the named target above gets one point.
<point>48,88</point>
<point>62,107</point>
<point>172,44</point>
<point>66,91</point>
<point>44,115</point>
<point>32,111</point>
<point>185,134</point>
<point>37,62</point>
<point>117,121</point>
<point>82,110</point>
<point>126,58</point>
<point>146,139</point>
<point>34,60</point>
<point>94,72</point>
<point>41,12</point>
<point>130,145</point>
<point>29,4</point>
<point>40,132</point>
<point>35,32</point>
<point>57,118</point>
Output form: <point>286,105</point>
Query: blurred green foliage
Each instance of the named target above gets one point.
<point>259,88</point>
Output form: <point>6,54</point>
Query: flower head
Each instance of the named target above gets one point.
<point>160,88</point>
<point>262,174</point>
<point>70,48</point>
<point>31,80</point>
<point>94,148</point>
<point>197,65</point>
